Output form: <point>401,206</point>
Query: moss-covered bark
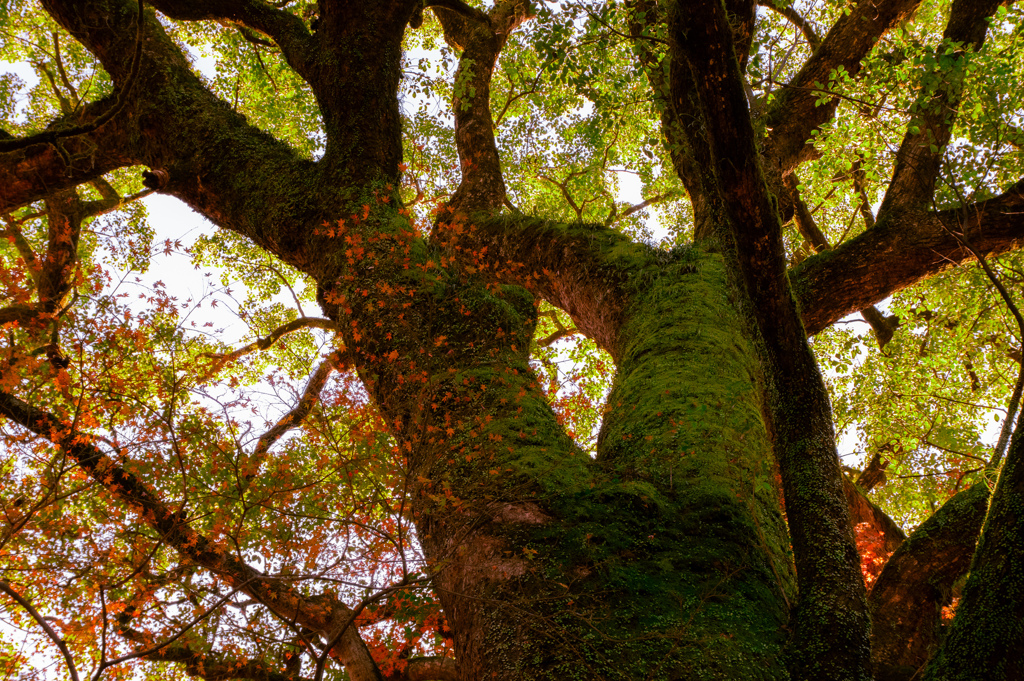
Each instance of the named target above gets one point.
<point>666,558</point>
<point>986,638</point>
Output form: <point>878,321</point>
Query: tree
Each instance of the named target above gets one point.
<point>433,515</point>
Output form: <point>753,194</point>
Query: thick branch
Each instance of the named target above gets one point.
<point>64,213</point>
<point>358,70</point>
<point>988,630</point>
<point>33,173</point>
<point>481,39</point>
<point>281,597</point>
<point>580,269</point>
<point>53,136</point>
<point>902,249</point>
<point>917,581</point>
<point>209,156</point>
<point>920,155</point>
<point>287,30</point>
<point>881,324</point>
<point>795,113</point>
<point>218,666</point>
<point>863,510</point>
<point>430,669</point>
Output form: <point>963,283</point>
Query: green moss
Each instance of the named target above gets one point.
<point>668,556</point>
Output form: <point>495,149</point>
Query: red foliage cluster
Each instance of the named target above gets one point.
<point>871,547</point>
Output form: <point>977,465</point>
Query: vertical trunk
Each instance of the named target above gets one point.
<point>356,84</point>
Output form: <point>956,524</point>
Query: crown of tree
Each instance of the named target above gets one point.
<point>598,284</point>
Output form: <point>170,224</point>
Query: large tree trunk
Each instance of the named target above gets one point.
<point>666,557</point>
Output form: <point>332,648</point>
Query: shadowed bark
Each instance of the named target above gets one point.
<point>917,581</point>
<point>988,630</point>
<point>863,510</point>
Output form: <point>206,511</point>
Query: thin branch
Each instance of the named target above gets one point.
<point>336,361</point>
<point>565,193</point>
<point>279,596</point>
<point>28,255</point>
<point>614,216</point>
<point>355,612</point>
<point>1011,411</point>
<point>561,331</point>
<point>6,587</point>
<point>263,343</point>
<point>184,630</point>
<point>794,18</point>
<point>60,70</point>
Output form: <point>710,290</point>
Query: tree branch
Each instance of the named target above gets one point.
<point>336,361</point>
<point>902,249</point>
<point>6,587</point>
<point>183,122</point>
<point>267,341</point>
<point>824,643</point>
<point>219,666</point>
<point>580,269</point>
<point>863,510</point>
<point>287,30</point>
<point>430,669</point>
<point>279,596</point>
<point>615,216</point>
<point>988,629</point>
<point>32,173</point>
<point>481,38</point>
<point>934,111</point>
<point>53,136</point>
<point>883,325</point>
<point>918,580</point>
<point>795,113</point>
<point>805,27</point>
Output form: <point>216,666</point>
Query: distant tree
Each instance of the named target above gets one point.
<point>440,498</point>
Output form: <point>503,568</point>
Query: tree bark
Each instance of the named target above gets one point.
<point>917,582</point>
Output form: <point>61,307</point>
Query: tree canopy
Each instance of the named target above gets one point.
<point>527,333</point>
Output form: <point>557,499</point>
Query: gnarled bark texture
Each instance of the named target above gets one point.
<point>668,555</point>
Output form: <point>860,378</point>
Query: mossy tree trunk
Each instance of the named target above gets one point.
<point>667,556</point>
